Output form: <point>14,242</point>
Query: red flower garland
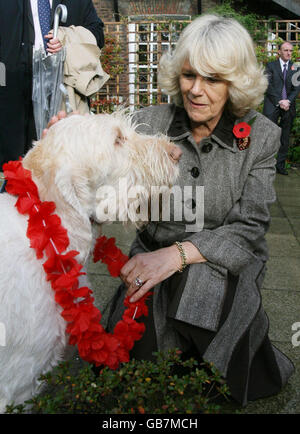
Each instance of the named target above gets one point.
<point>48,237</point>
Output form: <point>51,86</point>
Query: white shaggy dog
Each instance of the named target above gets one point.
<point>78,156</point>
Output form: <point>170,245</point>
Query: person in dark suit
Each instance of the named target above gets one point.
<point>18,36</point>
<point>280,99</point>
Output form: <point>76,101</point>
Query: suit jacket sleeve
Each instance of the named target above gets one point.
<point>233,245</point>
<point>272,91</point>
<point>92,22</point>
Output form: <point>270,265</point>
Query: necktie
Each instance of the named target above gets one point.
<point>45,18</point>
<point>284,94</point>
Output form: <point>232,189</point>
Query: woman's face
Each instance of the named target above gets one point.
<point>203,98</point>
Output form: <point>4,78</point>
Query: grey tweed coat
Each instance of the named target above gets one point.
<point>238,190</point>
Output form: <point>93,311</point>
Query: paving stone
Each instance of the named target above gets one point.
<point>283,245</point>
<point>276,210</point>
<point>281,226</point>
<point>288,198</point>
<point>124,234</point>
<point>282,273</point>
<point>282,308</point>
<point>291,211</point>
<point>289,182</point>
<point>288,400</point>
<point>295,224</point>
<point>104,289</point>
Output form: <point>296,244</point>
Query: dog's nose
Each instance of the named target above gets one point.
<point>175,153</point>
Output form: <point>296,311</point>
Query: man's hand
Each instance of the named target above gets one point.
<point>54,45</point>
<point>284,104</point>
<point>60,115</point>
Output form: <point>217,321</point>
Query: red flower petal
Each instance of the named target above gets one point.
<point>63,298</point>
<point>138,308</point>
<point>123,355</point>
<point>82,292</point>
<point>241,130</point>
<point>18,179</point>
<point>63,268</point>
<point>25,204</point>
<point>112,361</point>
<point>106,251</point>
<point>114,267</point>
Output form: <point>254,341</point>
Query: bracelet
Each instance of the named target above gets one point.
<point>182,256</point>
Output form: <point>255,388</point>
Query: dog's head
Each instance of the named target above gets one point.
<point>81,157</point>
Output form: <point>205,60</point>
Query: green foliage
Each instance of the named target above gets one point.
<point>294,155</point>
<point>296,128</point>
<point>113,64</point>
<point>104,105</point>
<point>263,55</point>
<point>111,57</point>
<point>294,150</point>
<point>258,32</point>
<point>168,385</point>
<point>248,20</point>
<point>296,53</point>
<point>251,22</point>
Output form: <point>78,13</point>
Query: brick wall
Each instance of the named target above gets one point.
<point>105,8</point>
<point>144,7</point>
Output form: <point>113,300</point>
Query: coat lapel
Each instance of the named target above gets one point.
<point>29,14</point>
<point>25,7</point>
<point>278,66</point>
<point>20,4</point>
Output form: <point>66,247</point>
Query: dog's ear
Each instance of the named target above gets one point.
<point>120,138</point>
<point>71,190</point>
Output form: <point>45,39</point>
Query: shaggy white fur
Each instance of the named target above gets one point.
<point>78,156</point>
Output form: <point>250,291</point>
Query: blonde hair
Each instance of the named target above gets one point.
<point>220,46</point>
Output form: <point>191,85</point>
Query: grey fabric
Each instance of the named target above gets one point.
<point>244,310</point>
<point>202,304</point>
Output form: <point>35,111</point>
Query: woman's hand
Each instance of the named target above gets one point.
<point>151,268</point>
<point>154,267</point>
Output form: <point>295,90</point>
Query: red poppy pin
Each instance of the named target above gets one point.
<point>242,133</point>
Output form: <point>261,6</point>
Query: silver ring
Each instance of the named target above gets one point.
<point>138,282</point>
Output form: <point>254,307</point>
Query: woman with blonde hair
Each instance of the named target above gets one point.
<point>206,280</point>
